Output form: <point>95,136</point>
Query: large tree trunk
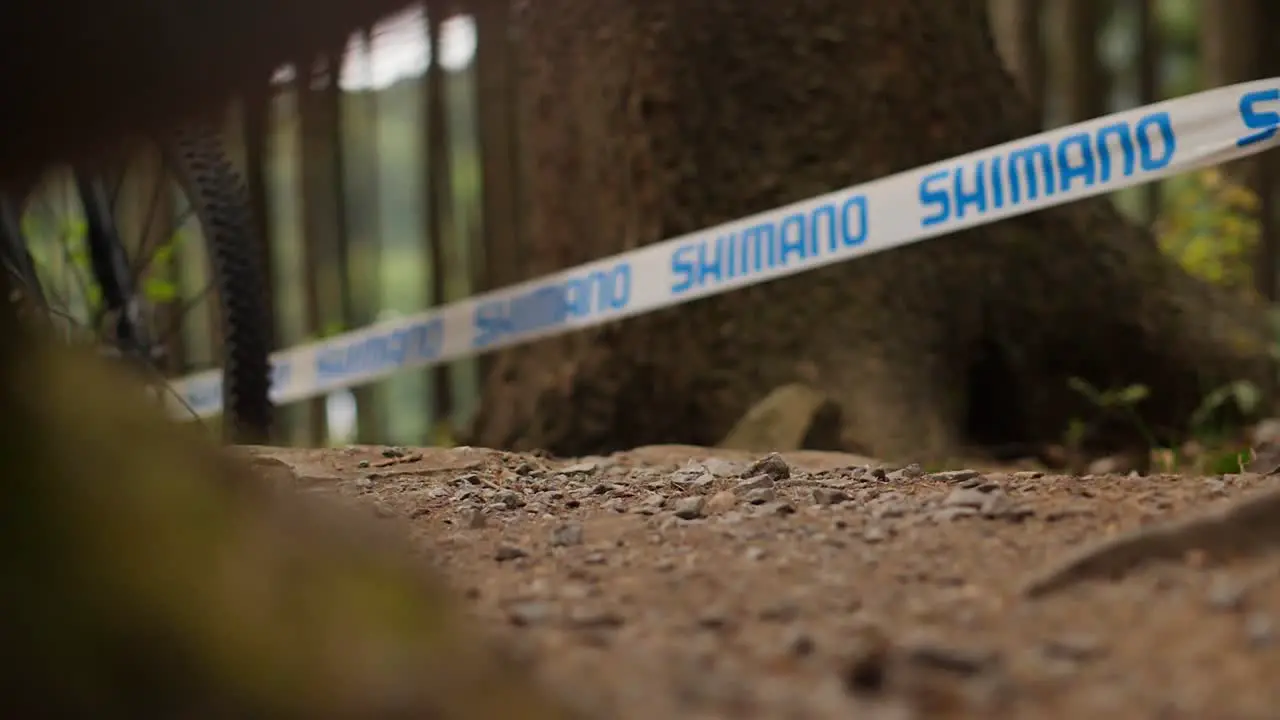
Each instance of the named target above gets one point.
<point>650,118</point>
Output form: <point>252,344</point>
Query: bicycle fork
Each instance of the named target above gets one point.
<point>110,267</point>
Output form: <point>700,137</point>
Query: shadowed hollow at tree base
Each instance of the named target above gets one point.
<point>674,116</point>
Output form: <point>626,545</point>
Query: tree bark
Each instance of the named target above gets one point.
<point>1079,73</point>
<point>1016,25</point>
<point>645,120</point>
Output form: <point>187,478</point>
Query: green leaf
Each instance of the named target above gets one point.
<point>159,290</point>
<point>1081,386</point>
<point>1075,434</point>
<point>163,255</point>
<point>1133,394</point>
<point>79,257</point>
<point>75,230</point>
<point>1210,405</point>
<point>1247,395</point>
<point>1226,463</point>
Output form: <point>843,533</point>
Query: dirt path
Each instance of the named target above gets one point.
<point>677,582</point>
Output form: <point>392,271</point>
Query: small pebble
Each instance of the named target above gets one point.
<point>801,644</point>
<point>1260,630</point>
<point>721,468</point>
<point>756,482</point>
<point>473,518</point>
<point>956,476</point>
<point>509,552</point>
<point>777,508</point>
<point>509,499</point>
<point>1226,595</point>
<point>960,661</point>
<point>567,535</point>
<point>828,496</point>
<point>721,502</point>
<point>772,465</point>
<point>965,497</point>
<point>874,534</point>
<point>524,614</point>
<point>1076,648</point>
<point>953,513</point>
<point>782,612</point>
<point>689,507</point>
<point>595,619</point>
<point>581,468</point>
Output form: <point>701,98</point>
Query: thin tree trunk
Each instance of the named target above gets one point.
<point>1078,71</point>
<point>500,253</point>
<point>365,287</point>
<point>1149,87</point>
<point>437,199</point>
<point>322,218</point>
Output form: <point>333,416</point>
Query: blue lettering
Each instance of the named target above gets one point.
<point>851,237</point>
<point>1170,143</point>
<point>1123,136</point>
<point>403,346</point>
<point>1264,121</point>
<point>1025,174</point>
<point>682,267</point>
<point>758,248</point>
<point>1028,156</point>
<point>769,244</point>
<point>726,245</point>
<point>823,219</point>
<point>997,182</point>
<point>1082,144</point>
<point>977,197</point>
<point>792,238</point>
<point>931,195</point>
<point>573,299</point>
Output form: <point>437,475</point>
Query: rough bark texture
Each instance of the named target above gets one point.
<point>648,119</point>
<point>1017,28</point>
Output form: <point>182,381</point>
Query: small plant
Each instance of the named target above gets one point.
<point>1117,401</point>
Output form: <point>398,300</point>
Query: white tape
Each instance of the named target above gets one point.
<point>1091,158</point>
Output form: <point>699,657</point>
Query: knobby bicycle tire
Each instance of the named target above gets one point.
<point>198,158</point>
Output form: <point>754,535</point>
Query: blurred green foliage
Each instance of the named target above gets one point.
<point>1210,227</point>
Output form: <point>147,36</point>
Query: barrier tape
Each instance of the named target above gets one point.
<point>1091,158</point>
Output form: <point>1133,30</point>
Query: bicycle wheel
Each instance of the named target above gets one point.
<point>129,226</point>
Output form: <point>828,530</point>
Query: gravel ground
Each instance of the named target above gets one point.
<point>680,582</point>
